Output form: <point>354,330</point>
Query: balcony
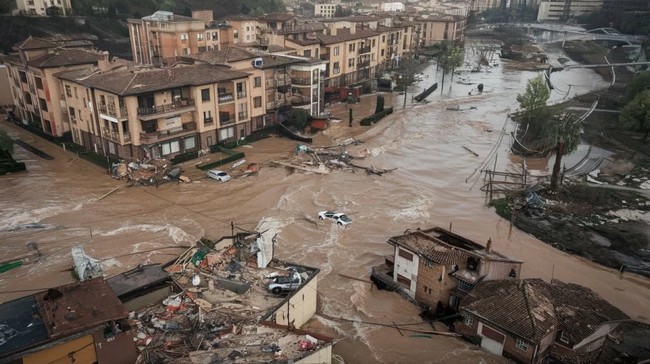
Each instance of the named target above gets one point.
<point>365,49</point>
<point>226,119</point>
<point>208,121</point>
<point>242,115</point>
<point>300,100</point>
<point>175,108</point>
<point>225,97</point>
<point>363,64</point>
<point>305,81</point>
<point>241,95</point>
<point>114,135</point>
<point>158,135</point>
<point>325,56</point>
<point>112,111</point>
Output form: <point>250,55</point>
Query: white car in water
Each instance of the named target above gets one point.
<point>220,176</point>
<point>340,218</point>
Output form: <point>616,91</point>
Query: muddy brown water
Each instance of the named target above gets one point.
<point>430,187</point>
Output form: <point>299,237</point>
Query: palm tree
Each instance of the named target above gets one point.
<point>564,134</point>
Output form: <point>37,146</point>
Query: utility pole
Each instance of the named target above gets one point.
<point>232,229</point>
<point>406,84</point>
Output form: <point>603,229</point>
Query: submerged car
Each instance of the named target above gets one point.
<point>220,176</point>
<point>287,283</point>
<point>340,218</point>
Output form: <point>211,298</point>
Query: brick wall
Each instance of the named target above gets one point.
<point>512,352</point>
<point>433,285</point>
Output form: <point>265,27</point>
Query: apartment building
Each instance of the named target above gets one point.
<point>325,10</point>
<point>244,30</point>
<point>569,9</point>
<point>438,27</point>
<point>44,7</point>
<point>35,90</point>
<point>159,112</point>
<point>161,37</point>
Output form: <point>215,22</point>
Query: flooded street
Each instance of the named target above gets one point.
<point>431,186</point>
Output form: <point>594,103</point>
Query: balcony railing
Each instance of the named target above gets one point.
<point>242,115</point>
<point>325,56</point>
<point>115,135</point>
<point>301,81</point>
<point>300,100</point>
<point>208,121</point>
<point>112,111</point>
<point>225,97</point>
<point>365,49</point>
<point>164,134</point>
<point>166,108</point>
<point>363,64</point>
<point>241,94</point>
<point>226,119</point>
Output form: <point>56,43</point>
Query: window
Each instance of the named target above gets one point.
<point>257,101</point>
<point>43,104</point>
<point>227,133</point>
<point>468,319</point>
<point>207,117</point>
<point>337,68</point>
<point>205,94</point>
<point>257,82</point>
<point>383,39</point>
<point>403,280</point>
<point>111,147</point>
<point>351,47</point>
<point>564,337</point>
<point>336,50</point>
<point>23,77</point>
<point>199,37</point>
<point>68,91</point>
<point>190,142</point>
<point>373,43</point>
<point>307,53</point>
<point>207,36</point>
<point>76,96</point>
<point>521,345</point>
<point>39,83</point>
<point>171,147</point>
<point>382,52</point>
<point>351,62</point>
<point>215,36</point>
<point>241,90</point>
<point>186,51</point>
<point>184,38</point>
<point>406,255</point>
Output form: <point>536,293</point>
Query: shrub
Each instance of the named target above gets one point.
<point>376,117</point>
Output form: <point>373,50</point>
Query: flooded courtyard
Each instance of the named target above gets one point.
<point>435,183</point>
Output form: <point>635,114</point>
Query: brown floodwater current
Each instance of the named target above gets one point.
<point>433,184</point>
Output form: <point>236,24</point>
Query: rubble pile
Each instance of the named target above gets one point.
<point>216,315</point>
<point>150,172</point>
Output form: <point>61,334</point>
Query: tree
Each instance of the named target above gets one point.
<point>380,104</point>
<point>565,133</point>
<point>449,57</point>
<point>535,97</point>
<point>639,83</point>
<point>636,113</point>
<point>6,142</point>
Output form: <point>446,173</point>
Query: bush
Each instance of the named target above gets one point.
<point>221,162</point>
<point>376,117</point>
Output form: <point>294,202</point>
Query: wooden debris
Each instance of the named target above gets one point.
<point>373,170</point>
<point>471,151</point>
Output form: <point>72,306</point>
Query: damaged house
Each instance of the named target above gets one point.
<point>81,322</point>
<point>532,321</point>
<point>229,302</point>
<point>436,267</point>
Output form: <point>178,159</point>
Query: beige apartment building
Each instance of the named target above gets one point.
<point>44,7</point>
<point>163,36</point>
<point>244,30</point>
<point>36,92</point>
<point>439,27</point>
<point>158,112</point>
<point>325,10</point>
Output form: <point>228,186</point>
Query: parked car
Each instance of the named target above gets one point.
<point>220,176</point>
<point>340,218</point>
<point>280,284</point>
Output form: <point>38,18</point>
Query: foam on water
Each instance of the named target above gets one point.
<point>417,210</point>
<point>13,216</point>
<point>178,235</point>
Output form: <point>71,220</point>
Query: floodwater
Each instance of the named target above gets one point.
<point>436,183</point>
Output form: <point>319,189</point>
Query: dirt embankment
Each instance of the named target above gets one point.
<point>606,220</point>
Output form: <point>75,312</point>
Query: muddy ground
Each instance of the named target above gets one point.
<point>608,222</point>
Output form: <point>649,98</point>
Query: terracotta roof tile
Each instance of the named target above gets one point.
<point>35,43</point>
<point>276,17</point>
<point>344,35</point>
<point>67,57</point>
<point>533,308</point>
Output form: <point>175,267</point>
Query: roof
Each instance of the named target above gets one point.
<point>240,18</point>
<point>35,43</point>
<point>77,307</point>
<point>444,247</point>
<point>344,34</point>
<point>628,343</point>
<point>67,57</point>
<point>143,80</point>
<point>355,19</point>
<point>136,279</point>
<point>533,308</point>
<point>235,54</point>
<point>278,17</point>
<point>57,313</point>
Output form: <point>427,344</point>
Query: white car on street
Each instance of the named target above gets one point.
<point>220,176</point>
<point>340,218</point>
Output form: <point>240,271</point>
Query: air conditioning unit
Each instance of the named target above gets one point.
<point>258,63</point>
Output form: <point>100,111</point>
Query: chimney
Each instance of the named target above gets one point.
<point>488,247</point>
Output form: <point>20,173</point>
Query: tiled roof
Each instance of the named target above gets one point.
<point>67,57</point>
<point>533,308</point>
<point>344,34</point>
<point>276,17</point>
<point>239,18</point>
<point>35,43</point>
<point>356,19</point>
<point>235,54</point>
<point>139,81</point>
